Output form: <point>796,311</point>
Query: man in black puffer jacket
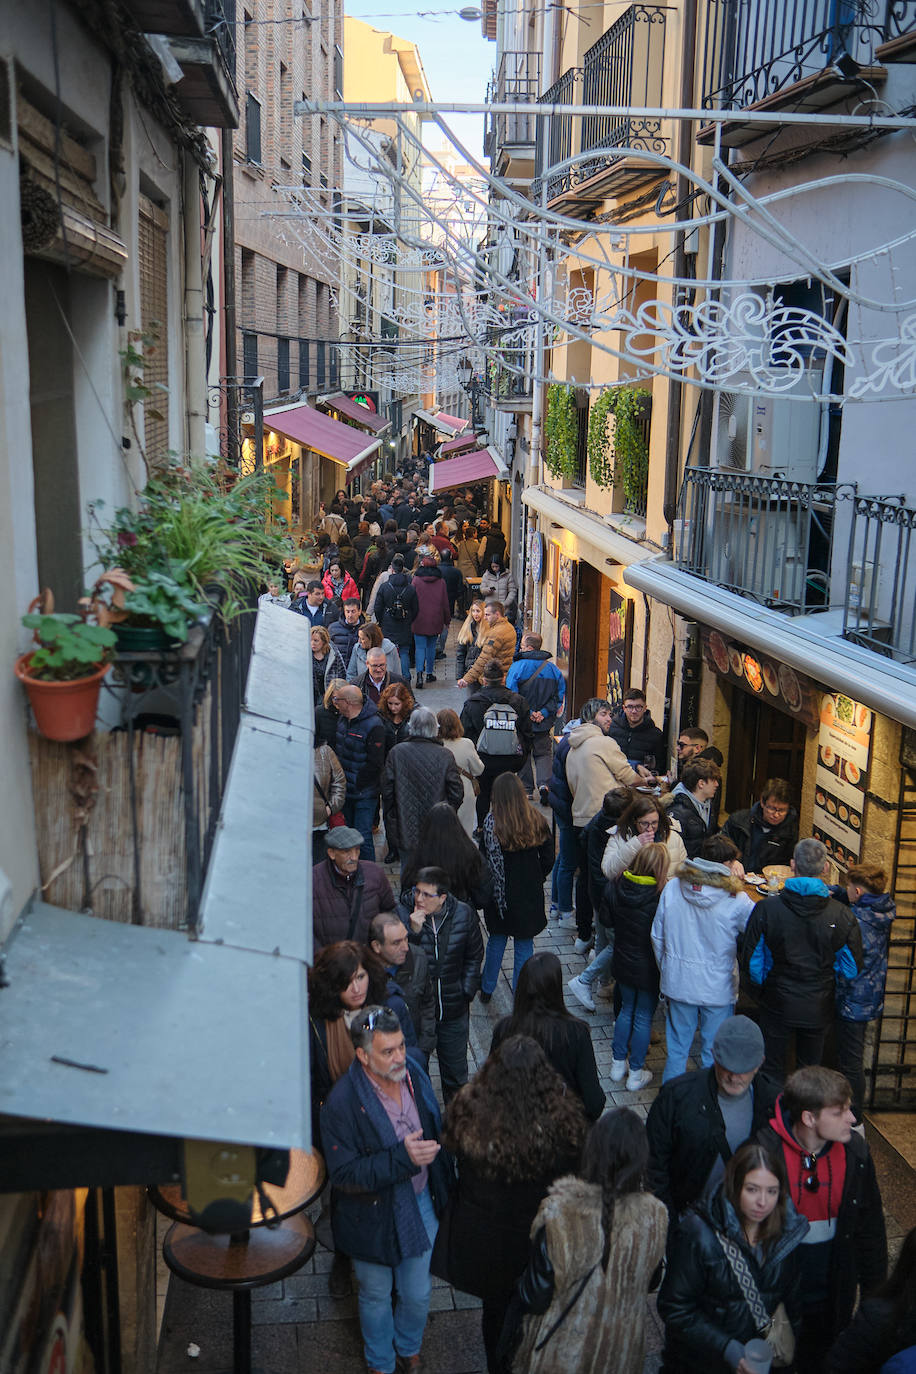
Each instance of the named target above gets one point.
<point>448,932</point>
<point>633,728</point>
<point>767,832</point>
<point>343,632</point>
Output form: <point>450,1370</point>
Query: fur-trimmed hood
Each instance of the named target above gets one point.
<point>697,873</point>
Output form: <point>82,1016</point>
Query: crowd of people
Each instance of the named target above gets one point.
<point>748,1199</point>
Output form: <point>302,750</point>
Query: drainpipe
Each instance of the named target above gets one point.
<point>684,150</point>
<point>230,353</point>
<point>194,334</point>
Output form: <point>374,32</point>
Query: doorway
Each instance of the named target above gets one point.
<point>763,743</point>
<point>586,674</point>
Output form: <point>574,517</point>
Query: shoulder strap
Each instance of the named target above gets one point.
<point>745,1279</point>
<point>567,1309</point>
<point>539,669</point>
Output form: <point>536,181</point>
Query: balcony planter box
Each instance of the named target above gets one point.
<point>64,711</point>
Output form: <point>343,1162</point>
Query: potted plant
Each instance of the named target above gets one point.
<point>63,675</point>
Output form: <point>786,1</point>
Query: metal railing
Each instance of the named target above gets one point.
<point>758,47</point>
<point>518,78</point>
<point>801,548</point>
<point>901,19</point>
<point>625,67</point>
<point>219,22</point>
<point>559,140</point>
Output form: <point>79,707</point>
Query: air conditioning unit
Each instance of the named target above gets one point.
<point>771,436</point>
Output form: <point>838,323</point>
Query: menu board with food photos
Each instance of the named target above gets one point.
<point>775,684</point>
<point>565,602</point>
<point>843,747</point>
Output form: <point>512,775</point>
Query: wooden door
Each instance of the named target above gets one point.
<point>763,743</point>
<point>586,674</point>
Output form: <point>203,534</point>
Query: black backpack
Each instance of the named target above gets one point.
<point>397,610</point>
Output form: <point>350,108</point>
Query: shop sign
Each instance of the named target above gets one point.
<point>617,668</point>
<point>843,748</point>
<point>775,684</point>
<point>565,602</point>
<point>536,559</point>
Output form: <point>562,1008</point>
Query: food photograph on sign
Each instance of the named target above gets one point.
<point>843,747</point>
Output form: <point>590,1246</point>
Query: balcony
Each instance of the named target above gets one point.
<point>624,68</point>
<point>805,56</point>
<point>512,137</point>
<point>207,91</point>
<point>508,381</point>
<point>805,550</point>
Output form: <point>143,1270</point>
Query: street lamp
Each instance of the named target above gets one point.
<point>468,382</point>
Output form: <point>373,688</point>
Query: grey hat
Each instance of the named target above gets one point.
<point>343,837</point>
<point>738,1046</point>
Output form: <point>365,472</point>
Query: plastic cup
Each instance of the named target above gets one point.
<point>758,1356</point>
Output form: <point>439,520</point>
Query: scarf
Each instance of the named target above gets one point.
<point>495,860</point>
<point>340,1047</point>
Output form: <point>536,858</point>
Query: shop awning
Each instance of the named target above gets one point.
<point>133,1031</point>
<point>467,467</point>
<point>453,446</point>
<point>360,415</point>
<point>592,529</point>
<point>813,644</point>
<point>313,429</point>
<point>445,424</point>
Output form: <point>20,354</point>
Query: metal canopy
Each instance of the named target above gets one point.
<point>162,1035</point>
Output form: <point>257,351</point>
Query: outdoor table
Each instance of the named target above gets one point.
<point>267,1252</point>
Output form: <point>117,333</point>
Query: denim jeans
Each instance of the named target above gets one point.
<point>496,948</point>
<point>404,655</point>
<point>680,1027</point>
<point>565,867</point>
<point>600,967</point>
<point>359,812</point>
<point>386,1333</point>
<point>425,653</point>
<point>634,1025</point>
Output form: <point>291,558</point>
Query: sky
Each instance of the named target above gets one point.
<point>456,57</point>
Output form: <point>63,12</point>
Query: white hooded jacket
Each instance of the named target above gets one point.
<point>699,918</point>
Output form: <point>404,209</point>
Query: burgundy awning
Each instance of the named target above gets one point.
<point>466,468</point>
<point>453,446</point>
<point>452,422</point>
<point>313,429</point>
<point>360,415</point>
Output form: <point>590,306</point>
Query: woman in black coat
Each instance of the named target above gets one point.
<point>707,1319</point>
<point>396,607</point>
<point>518,847</point>
<point>539,1011</point>
<point>885,1324</point>
<point>444,843</point>
<point>504,1171</point>
<point>628,908</point>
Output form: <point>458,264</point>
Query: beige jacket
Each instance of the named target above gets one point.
<point>594,764</point>
<point>496,641</point>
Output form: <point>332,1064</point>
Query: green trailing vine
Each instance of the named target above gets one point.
<point>561,431</point>
<point>625,464</point>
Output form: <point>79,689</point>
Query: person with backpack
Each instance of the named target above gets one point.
<point>396,608</point>
<point>498,722</point>
<point>544,688</point>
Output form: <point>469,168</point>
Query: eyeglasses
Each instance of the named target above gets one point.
<point>683,744</point>
<point>811,1182</point>
<point>378,1015</point>
<point>430,896</point>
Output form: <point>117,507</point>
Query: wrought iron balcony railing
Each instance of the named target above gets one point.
<point>518,79</point>
<point>803,548</point>
<point>758,47</point>
<point>625,67</point>
<point>561,138</point>
<point>219,20</point>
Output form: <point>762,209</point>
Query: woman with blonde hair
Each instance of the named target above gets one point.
<point>469,645</point>
<point>327,663</point>
<point>467,761</point>
<point>518,847</point>
<point>327,715</point>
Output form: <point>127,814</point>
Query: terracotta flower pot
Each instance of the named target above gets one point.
<point>63,711</point>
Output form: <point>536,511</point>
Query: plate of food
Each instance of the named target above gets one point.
<point>753,673</point>
<point>845,709</point>
<point>852,772</point>
<point>753,879</point>
<point>770,677</point>
<point>719,651</point>
<point>790,687</point>
<point>736,662</point>
<point>780,871</point>
<point>828,757</point>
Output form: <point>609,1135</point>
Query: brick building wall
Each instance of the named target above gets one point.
<point>288,52</point>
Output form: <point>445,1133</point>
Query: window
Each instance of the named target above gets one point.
<point>249,356</point>
<point>152,253</point>
<point>303,364</point>
<point>319,363</point>
<point>338,72</point>
<point>253,130</point>
<point>306,170</point>
<point>283,365</point>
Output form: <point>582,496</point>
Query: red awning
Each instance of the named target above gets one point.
<point>478,466</point>
<point>313,429</point>
<point>452,422</point>
<point>360,415</point>
<point>453,446</point>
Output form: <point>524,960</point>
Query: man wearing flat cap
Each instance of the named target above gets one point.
<point>347,891</point>
<point>699,1119</point>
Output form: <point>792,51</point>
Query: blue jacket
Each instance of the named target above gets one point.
<point>862,998</point>
<point>559,796</point>
<point>374,1210</point>
<point>361,750</point>
<point>546,693</point>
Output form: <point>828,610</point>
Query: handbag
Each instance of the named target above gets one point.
<point>475,785</point>
<point>336,817</point>
<point>776,1330</point>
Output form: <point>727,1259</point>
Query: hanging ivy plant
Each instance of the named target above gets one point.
<point>561,430</point>
<point>625,464</point>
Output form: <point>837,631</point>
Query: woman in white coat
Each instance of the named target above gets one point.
<point>643,822</point>
<point>467,761</point>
